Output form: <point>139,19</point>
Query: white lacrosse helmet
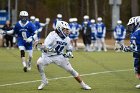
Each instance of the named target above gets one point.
<point>59,15</point>
<point>99,19</point>
<point>86,17</point>
<point>60,26</point>
<point>134,20</point>
<point>75,19</point>
<point>23,13</point>
<point>131,21</point>
<point>23,16</point>
<point>70,19</point>
<point>119,22</point>
<point>92,21</point>
<point>32,17</point>
<point>37,19</point>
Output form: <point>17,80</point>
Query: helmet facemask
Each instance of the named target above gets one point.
<point>131,28</point>
<point>23,19</point>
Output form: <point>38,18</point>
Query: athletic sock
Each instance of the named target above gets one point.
<point>24,64</point>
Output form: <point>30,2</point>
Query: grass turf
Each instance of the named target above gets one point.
<point>105,72</point>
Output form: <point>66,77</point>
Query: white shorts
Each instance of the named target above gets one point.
<point>59,60</point>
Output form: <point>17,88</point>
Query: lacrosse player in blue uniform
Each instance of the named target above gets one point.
<point>101,32</point>
<point>59,18</point>
<point>134,27</point>
<point>26,33</point>
<point>53,49</point>
<point>74,32</point>
<point>119,35</point>
<point>93,34</point>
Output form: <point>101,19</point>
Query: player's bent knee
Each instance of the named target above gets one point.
<point>22,52</point>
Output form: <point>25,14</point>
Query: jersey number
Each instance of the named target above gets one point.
<point>59,48</point>
<point>99,29</point>
<point>24,35</point>
<point>118,31</point>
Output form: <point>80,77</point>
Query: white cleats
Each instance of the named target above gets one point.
<point>138,86</point>
<point>86,87</point>
<point>42,85</point>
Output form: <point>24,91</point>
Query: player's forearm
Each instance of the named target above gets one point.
<point>10,32</point>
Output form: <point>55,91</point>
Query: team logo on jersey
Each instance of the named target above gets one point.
<point>23,30</point>
<point>61,43</point>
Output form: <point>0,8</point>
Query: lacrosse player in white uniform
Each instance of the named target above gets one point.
<point>52,52</point>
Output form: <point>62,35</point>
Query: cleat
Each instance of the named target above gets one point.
<point>138,86</point>
<point>86,87</point>
<point>29,66</point>
<point>42,86</point>
<point>25,69</point>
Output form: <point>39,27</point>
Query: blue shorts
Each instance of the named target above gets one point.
<point>28,46</point>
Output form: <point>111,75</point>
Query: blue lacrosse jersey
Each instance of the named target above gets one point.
<point>119,32</point>
<point>38,26</point>
<point>135,39</point>
<point>23,32</point>
<point>74,30</point>
<point>88,23</point>
<point>93,31</point>
<point>55,21</point>
<point>101,30</point>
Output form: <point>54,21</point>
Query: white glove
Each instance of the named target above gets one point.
<point>28,40</point>
<point>69,54</point>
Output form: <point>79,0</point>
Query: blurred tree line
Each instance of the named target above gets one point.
<point>75,8</point>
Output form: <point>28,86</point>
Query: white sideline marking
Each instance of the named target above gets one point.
<point>65,77</point>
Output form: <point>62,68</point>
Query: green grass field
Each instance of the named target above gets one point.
<point>105,72</point>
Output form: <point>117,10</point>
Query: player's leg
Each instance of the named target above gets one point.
<point>137,69</point>
<point>72,43</point>
<point>103,44</point>
<point>120,44</point>
<point>65,64</point>
<point>7,41</point>
<point>76,46</point>
<point>30,55</point>
<point>11,41</point>
<point>84,41</point>
<point>28,47</point>
<point>116,45</point>
<point>89,43</point>
<point>99,44</point>
<point>22,53</point>
<point>41,62</point>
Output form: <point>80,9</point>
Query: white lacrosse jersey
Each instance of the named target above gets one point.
<point>55,42</point>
